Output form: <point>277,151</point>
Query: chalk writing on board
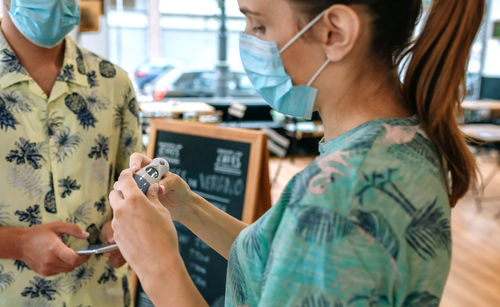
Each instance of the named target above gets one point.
<point>170,151</point>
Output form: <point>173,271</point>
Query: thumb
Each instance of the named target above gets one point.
<point>152,193</point>
<point>71,229</point>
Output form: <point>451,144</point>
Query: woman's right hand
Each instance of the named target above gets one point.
<point>174,193</point>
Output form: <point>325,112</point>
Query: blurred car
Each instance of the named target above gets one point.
<point>199,83</point>
<point>150,70</point>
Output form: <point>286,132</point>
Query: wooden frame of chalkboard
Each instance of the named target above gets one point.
<point>174,140</point>
<point>258,192</point>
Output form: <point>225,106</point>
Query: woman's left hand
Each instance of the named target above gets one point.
<point>107,237</point>
<point>143,228</point>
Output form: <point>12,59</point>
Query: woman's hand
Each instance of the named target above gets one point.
<point>174,193</point>
<point>143,228</point>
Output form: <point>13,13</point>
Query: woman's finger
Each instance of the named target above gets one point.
<point>137,161</point>
<point>127,185</point>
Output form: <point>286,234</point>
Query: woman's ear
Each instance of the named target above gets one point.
<point>341,31</point>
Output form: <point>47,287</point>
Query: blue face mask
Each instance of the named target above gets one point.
<point>262,62</point>
<point>44,22</point>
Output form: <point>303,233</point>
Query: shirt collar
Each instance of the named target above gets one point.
<point>12,72</point>
<point>73,69</point>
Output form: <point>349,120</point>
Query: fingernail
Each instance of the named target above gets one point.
<point>86,233</point>
<point>155,188</point>
<point>133,167</point>
<point>162,188</point>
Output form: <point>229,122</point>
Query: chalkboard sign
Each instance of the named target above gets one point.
<point>229,168</point>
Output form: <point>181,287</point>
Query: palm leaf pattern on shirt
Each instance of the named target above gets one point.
<point>127,298</point>
<point>237,280</point>
<point>429,228</point>
<point>94,235</point>
<point>108,275</point>
<point>101,148</point>
<point>53,123</point>
<point>80,277</point>
<point>7,120</point>
<point>82,214</point>
<point>92,79</point>
<point>68,185</point>
<point>421,299</point>
<point>318,225</point>
<point>252,241</point>
<point>128,143</point>
<point>67,73</point>
<point>31,215</point>
<point>41,288</point>
<point>65,144</point>
<point>95,102</point>
<point>375,224</point>
<point>319,300</point>
<point>15,102</point>
<point>27,180</point>
<point>119,114</point>
<point>26,152</point>
<point>80,64</point>
<point>101,205</point>
<point>20,266</point>
<point>373,299</point>
<point>10,63</point>
<point>6,279</point>
<point>130,103</point>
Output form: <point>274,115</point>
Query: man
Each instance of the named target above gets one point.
<point>68,123</point>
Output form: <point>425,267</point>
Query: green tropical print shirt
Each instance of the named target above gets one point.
<point>366,224</point>
<point>58,161</point>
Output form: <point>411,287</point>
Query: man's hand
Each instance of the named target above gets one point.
<point>44,252</point>
<point>115,257</point>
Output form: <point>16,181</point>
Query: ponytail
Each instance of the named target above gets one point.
<point>434,85</point>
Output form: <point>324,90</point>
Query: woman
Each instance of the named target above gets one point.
<point>368,223</point>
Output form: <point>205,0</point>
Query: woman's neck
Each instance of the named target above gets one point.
<point>353,101</point>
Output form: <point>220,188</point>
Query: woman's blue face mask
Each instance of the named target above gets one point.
<point>264,67</point>
<point>44,22</point>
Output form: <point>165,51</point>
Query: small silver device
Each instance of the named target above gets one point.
<point>145,177</point>
<point>151,174</point>
<point>97,249</point>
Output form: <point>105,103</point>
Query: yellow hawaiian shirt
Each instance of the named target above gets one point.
<point>59,157</point>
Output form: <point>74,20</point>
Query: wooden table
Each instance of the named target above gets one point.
<point>485,108</point>
<point>485,134</point>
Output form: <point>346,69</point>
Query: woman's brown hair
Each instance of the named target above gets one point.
<point>434,83</point>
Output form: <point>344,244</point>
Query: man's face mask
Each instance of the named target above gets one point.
<point>44,22</point>
<point>262,62</point>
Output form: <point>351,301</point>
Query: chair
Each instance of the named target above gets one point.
<point>484,137</point>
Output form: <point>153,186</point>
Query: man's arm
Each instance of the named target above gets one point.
<point>41,247</point>
<point>10,239</point>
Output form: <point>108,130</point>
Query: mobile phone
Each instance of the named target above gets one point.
<point>151,174</point>
<point>97,249</point>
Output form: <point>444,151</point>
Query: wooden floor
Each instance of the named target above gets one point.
<point>474,280</point>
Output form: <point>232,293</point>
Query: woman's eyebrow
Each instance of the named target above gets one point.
<point>246,11</point>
